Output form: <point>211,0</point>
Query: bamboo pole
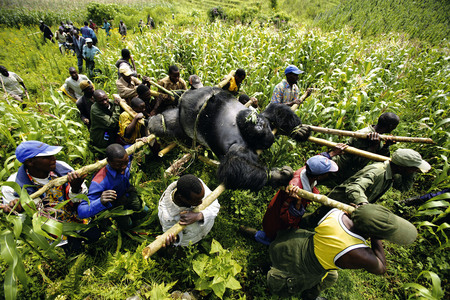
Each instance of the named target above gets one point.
<point>361,135</point>
<point>177,165</point>
<point>209,161</point>
<point>127,108</point>
<point>172,94</point>
<point>349,149</point>
<point>177,228</point>
<point>90,168</point>
<point>167,149</point>
<point>226,79</point>
<point>324,200</point>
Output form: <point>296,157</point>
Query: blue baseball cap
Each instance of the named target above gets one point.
<point>30,149</point>
<point>293,69</point>
<point>319,165</point>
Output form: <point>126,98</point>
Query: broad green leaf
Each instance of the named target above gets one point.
<point>436,203</point>
<point>10,285</point>
<point>425,223</point>
<point>199,264</point>
<point>53,227</point>
<point>233,284</point>
<point>424,292</point>
<point>38,221</point>
<point>17,224</point>
<point>216,247</point>
<point>436,290</point>
<point>27,203</point>
<point>219,289</point>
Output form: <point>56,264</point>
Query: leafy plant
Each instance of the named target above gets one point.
<point>216,273</point>
<point>421,292</point>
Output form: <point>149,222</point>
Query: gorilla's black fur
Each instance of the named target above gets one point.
<point>232,131</point>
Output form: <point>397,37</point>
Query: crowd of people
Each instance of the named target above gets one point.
<point>305,249</point>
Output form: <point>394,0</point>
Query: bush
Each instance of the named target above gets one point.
<point>98,11</point>
<point>216,13</point>
<point>19,17</point>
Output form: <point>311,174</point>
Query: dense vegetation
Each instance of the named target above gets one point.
<point>354,80</point>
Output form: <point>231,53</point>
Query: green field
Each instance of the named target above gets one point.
<point>356,76</point>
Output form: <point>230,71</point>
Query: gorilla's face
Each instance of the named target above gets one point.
<point>255,130</point>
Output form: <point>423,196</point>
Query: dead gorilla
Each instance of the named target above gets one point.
<point>233,132</point>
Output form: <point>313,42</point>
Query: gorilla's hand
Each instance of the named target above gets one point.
<point>301,133</point>
<point>280,176</point>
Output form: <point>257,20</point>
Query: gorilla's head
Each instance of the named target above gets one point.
<point>255,129</point>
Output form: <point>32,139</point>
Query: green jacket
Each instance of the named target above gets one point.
<point>104,120</point>
<point>349,164</point>
<point>367,185</point>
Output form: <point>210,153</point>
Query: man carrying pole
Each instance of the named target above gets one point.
<point>350,164</point>
<point>305,263</point>
<point>176,205</point>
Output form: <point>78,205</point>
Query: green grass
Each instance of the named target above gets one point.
<point>355,79</point>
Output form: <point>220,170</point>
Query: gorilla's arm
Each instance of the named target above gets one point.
<point>286,121</point>
<point>167,124</point>
<point>239,169</point>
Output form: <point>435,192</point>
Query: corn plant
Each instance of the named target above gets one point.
<point>422,292</point>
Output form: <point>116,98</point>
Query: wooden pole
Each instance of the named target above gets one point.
<point>349,149</point>
<point>172,94</point>
<point>177,165</point>
<point>90,168</point>
<point>177,228</point>
<point>226,79</point>
<point>324,200</point>
<point>361,135</point>
<point>127,108</point>
<point>167,149</point>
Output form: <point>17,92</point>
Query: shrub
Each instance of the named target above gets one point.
<point>216,13</point>
<point>98,11</point>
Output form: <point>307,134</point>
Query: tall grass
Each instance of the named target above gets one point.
<point>354,79</point>
<point>427,20</point>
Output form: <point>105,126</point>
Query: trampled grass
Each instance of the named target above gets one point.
<point>355,80</point>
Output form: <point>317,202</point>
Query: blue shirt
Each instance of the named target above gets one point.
<point>105,179</point>
<point>86,32</point>
<point>90,53</point>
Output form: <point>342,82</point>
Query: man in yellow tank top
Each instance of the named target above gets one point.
<point>304,263</point>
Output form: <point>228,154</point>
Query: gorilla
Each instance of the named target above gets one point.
<point>216,119</point>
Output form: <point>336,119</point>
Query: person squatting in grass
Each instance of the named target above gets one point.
<point>127,83</point>
<point>350,164</point>
<point>71,86</point>
<point>111,188</point>
<point>128,60</point>
<point>12,84</point>
<point>287,91</point>
<point>286,211</point>
<point>173,81</point>
<point>235,82</point>
<point>85,102</point>
<point>104,121</point>
<point>39,167</point>
<point>373,181</point>
<point>129,127</point>
<point>304,263</point>
<point>176,205</point>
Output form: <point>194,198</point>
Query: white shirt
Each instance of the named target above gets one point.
<point>12,84</point>
<point>169,215</point>
<point>75,85</point>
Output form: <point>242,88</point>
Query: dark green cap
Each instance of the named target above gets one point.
<point>379,222</point>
